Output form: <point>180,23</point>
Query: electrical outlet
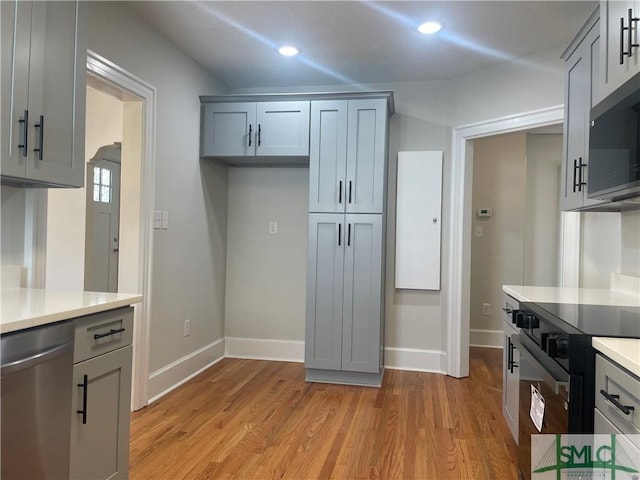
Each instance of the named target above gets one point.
<point>479,231</point>
<point>165,220</point>
<point>187,327</point>
<point>273,228</point>
<point>157,219</point>
<point>486,309</point>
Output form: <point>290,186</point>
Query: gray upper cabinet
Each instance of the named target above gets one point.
<point>618,34</point>
<point>581,93</point>
<point>255,129</point>
<point>43,92</point>
<point>344,292</point>
<point>347,158</point>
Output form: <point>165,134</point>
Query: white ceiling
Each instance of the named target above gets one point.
<point>356,42</point>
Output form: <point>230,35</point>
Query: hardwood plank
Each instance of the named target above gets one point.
<point>258,420</point>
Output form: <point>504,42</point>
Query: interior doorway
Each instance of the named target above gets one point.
<point>102,230</point>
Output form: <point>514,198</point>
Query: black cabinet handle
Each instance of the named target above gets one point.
<point>250,133</point>
<point>339,234</point>
<point>581,181</point>
<point>510,363</point>
<point>626,409</point>
<point>629,30</point>
<point>349,236</point>
<point>350,191</point>
<point>25,131</point>
<point>259,134</point>
<point>575,169</point>
<point>622,29</point>
<point>110,332</point>
<point>506,310</point>
<point>40,127</point>
<point>85,386</point>
<point>340,192</point>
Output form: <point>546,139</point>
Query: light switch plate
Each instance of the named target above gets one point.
<point>157,219</point>
<point>273,228</point>
<point>165,220</point>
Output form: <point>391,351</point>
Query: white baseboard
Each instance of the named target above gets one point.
<point>175,374</point>
<point>485,338</point>
<point>264,349</point>
<point>414,359</point>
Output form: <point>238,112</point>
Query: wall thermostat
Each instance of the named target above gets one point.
<point>484,212</point>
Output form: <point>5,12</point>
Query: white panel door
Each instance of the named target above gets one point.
<point>418,220</point>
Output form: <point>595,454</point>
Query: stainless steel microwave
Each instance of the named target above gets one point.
<point>614,144</point>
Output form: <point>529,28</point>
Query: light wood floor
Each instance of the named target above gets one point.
<point>258,419</point>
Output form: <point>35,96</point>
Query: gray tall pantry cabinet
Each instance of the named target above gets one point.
<point>345,271</point>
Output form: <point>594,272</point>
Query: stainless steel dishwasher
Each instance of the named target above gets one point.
<point>36,385</point>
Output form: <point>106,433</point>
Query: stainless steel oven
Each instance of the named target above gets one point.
<point>551,382</point>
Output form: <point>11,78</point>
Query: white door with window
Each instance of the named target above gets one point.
<point>103,221</point>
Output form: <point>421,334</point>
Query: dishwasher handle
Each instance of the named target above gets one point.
<point>35,359</point>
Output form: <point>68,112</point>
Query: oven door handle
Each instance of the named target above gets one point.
<point>552,376</point>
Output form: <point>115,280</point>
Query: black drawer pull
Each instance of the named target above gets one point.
<point>626,409</point>
<point>85,386</point>
<point>110,332</point>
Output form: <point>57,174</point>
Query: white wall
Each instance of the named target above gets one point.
<point>630,225</point>
<point>542,210</point>
<point>601,248</point>
<point>189,258</point>
<point>266,273</point>
<point>12,225</point>
<point>499,183</point>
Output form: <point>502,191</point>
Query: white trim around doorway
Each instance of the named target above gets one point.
<point>459,261</point>
<point>117,76</point>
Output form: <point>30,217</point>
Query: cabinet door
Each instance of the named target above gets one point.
<point>323,332</point>
<point>581,93</point>
<point>100,447</point>
<point>57,93</point>
<point>328,156</point>
<point>362,311</point>
<point>228,129</point>
<point>283,129</point>
<point>16,26</point>
<point>615,73</point>
<point>366,155</point>
<point>510,389</point>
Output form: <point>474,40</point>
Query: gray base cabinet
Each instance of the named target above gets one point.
<point>43,92</point>
<point>344,291</point>
<point>510,371</point>
<point>101,400</point>
<point>346,254</point>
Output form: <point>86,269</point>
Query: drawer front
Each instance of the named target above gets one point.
<point>103,332</point>
<point>622,407</point>
<point>602,426</point>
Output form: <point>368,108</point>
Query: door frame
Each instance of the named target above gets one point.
<point>459,257</point>
<point>119,77</point>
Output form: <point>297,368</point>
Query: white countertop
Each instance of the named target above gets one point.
<point>623,351</point>
<point>585,296</point>
<point>30,307</point>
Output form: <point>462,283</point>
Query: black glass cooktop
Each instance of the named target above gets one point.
<point>592,320</point>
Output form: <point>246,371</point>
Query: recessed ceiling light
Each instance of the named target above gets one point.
<point>288,51</point>
<point>429,28</point>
